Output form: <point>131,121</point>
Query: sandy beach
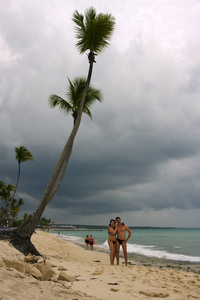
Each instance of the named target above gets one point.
<point>75,273</point>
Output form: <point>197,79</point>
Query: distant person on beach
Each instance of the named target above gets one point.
<point>121,239</point>
<point>91,242</point>
<point>87,241</point>
<point>112,230</point>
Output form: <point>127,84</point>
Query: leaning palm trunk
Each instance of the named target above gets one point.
<point>62,173</point>
<point>17,182</point>
<point>20,238</point>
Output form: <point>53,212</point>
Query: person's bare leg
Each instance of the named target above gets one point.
<point>117,251</point>
<point>112,256</point>
<point>125,252</point>
<point>112,252</point>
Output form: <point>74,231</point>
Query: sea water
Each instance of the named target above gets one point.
<point>177,244</point>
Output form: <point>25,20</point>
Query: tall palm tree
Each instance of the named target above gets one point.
<point>93,34</point>
<point>73,94</point>
<point>22,155</point>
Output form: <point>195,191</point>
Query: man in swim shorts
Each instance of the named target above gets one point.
<point>121,239</point>
<point>87,241</point>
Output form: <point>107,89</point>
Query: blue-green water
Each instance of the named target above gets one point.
<point>176,244</point>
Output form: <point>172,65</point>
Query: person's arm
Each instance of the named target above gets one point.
<point>112,231</point>
<point>129,232</point>
<point>109,230</point>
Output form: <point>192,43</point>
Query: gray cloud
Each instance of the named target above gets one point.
<point>139,156</point>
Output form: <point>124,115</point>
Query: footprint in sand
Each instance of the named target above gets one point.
<point>98,272</point>
<point>114,290</point>
<point>156,294</point>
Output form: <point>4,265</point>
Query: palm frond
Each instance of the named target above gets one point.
<point>87,111</point>
<point>90,14</point>
<point>103,32</point>
<point>74,94</point>
<point>62,104</point>
<point>75,90</point>
<point>79,28</point>
<point>79,20</point>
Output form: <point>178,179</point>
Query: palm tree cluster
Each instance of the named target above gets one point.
<point>10,207</point>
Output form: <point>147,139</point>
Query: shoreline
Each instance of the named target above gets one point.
<point>146,261</point>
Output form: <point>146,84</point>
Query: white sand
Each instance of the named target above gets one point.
<point>96,278</point>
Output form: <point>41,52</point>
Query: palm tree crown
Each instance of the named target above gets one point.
<point>74,93</point>
<point>23,154</point>
<point>93,31</point>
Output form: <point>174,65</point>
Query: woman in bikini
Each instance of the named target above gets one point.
<point>112,230</point>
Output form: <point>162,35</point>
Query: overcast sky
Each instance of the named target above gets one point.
<point>139,157</point>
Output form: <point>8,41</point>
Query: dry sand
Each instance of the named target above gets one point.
<point>95,277</point>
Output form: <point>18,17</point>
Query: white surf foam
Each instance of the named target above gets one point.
<point>150,251</point>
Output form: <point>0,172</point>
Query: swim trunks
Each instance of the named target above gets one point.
<point>87,241</point>
<point>120,241</point>
<point>91,243</point>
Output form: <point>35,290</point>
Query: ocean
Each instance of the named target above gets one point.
<point>172,244</point>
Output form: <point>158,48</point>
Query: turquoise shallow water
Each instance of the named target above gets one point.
<point>175,244</point>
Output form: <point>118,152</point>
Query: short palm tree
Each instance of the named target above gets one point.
<point>22,155</point>
<point>93,32</point>
<point>73,94</point>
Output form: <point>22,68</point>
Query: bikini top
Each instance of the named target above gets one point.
<point>111,233</point>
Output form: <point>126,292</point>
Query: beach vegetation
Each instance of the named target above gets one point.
<point>19,222</point>
<point>45,222</point>
<point>10,207</point>
<point>93,33</point>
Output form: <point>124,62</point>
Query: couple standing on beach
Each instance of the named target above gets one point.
<point>117,238</point>
<point>89,241</point>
